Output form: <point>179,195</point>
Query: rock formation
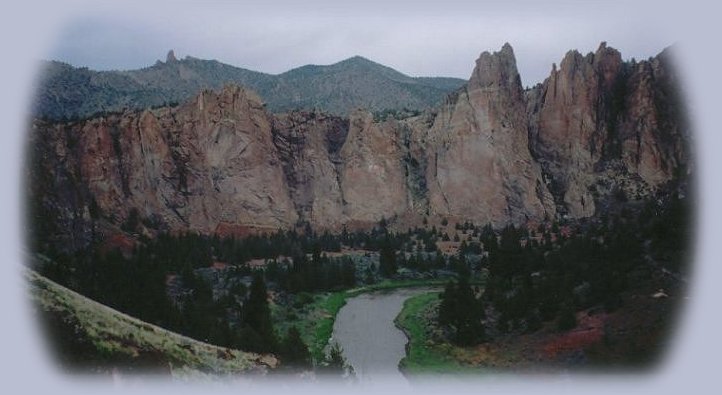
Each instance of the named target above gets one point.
<point>594,126</point>
<point>480,166</point>
<point>372,174</point>
<point>208,162</point>
<point>170,58</point>
<point>596,129</point>
<point>309,145</point>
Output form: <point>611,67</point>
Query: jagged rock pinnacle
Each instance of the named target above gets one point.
<point>496,69</point>
<point>170,58</point>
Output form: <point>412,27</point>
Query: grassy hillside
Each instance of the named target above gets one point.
<point>87,336</point>
<point>65,91</point>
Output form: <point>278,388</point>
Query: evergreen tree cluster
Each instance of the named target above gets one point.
<point>387,260</point>
<point>256,318</point>
<point>533,280</point>
<point>534,283</point>
<point>318,274</point>
<point>463,311</point>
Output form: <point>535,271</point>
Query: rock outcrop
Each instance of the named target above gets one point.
<point>373,179</point>
<point>594,127</point>
<point>170,58</point>
<point>480,166</point>
<point>309,145</point>
<point>598,129</point>
<point>190,168</point>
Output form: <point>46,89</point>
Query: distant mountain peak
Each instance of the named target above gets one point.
<point>358,58</point>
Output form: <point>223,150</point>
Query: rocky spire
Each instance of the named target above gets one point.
<point>170,58</point>
<point>497,70</point>
<point>485,132</point>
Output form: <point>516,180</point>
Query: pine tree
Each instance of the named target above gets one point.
<point>387,260</point>
<point>567,318</point>
<point>294,351</point>
<point>335,363</point>
<point>461,310</point>
<point>469,329</point>
<point>257,315</point>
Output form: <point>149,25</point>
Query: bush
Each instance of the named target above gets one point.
<point>131,223</point>
<point>567,318</point>
<point>302,299</point>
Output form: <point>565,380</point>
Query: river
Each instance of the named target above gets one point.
<point>365,330</point>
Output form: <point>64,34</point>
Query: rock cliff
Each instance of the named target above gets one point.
<point>208,162</point>
<point>309,145</point>
<point>480,166</point>
<point>598,129</point>
<point>600,126</point>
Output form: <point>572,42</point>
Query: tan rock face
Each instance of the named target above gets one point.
<point>595,120</point>
<point>492,153</point>
<point>308,144</point>
<point>652,138</point>
<point>209,161</point>
<point>373,179</point>
<point>570,126</point>
<point>479,163</point>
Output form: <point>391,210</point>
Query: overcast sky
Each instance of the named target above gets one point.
<point>432,39</point>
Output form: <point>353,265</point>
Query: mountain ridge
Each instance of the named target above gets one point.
<point>69,92</point>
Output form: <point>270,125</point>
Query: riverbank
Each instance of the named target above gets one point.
<point>429,352</point>
<point>628,337</point>
<point>315,321</point>
<point>364,328</point>
<point>420,357</point>
<point>332,304</point>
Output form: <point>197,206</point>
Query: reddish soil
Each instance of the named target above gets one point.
<point>448,247</point>
<point>635,335</point>
<point>589,331</point>
<point>119,241</point>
